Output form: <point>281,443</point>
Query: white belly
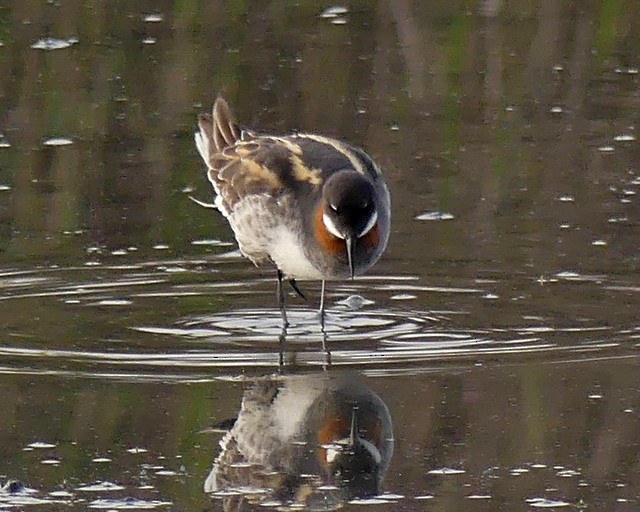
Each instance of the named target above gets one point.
<point>288,255</point>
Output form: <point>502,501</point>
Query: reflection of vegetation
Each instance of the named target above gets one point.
<point>129,106</point>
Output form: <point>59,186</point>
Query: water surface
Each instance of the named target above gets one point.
<point>500,327</point>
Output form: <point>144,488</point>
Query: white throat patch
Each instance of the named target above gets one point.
<point>370,224</point>
<point>331,227</point>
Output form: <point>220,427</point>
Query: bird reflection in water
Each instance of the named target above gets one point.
<point>310,441</point>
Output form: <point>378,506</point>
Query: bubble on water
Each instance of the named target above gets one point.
<point>447,471</point>
<point>161,247</point>
<point>558,67</point>
<point>51,43</point>
<point>58,141</point>
<point>61,494</point>
<point>41,445</point>
<point>128,504</point>
<point>624,137</point>
<point>369,501</point>
<point>355,302</point>
<point>606,149</point>
<point>114,302</point>
<point>435,215</point>
<point>149,40</point>
<point>334,11</point>
<point>135,450</point>
<point>616,220</point>
<point>627,71</point>
<point>155,17</point>
<point>566,198</point>
<point>339,21</point>
<point>211,241</point>
<point>547,503</point>
<point>101,486</point>
<point>568,473</point>
<point>556,110</point>
<point>404,296</point>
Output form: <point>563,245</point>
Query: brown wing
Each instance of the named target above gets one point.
<point>240,163</point>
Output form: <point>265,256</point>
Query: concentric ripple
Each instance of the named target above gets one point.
<point>181,319</point>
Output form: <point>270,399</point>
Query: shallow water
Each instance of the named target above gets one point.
<point>500,327</point>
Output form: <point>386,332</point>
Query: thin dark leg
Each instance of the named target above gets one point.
<point>325,348</point>
<point>294,285</point>
<point>321,311</point>
<point>282,339</point>
<point>283,311</point>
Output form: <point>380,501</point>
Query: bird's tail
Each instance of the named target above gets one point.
<point>217,131</point>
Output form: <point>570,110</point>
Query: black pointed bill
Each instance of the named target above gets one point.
<point>351,248</point>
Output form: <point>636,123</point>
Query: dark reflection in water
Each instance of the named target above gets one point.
<point>313,441</point>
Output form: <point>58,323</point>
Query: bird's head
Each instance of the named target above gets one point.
<point>349,211</point>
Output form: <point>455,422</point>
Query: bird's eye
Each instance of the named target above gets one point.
<point>333,207</point>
